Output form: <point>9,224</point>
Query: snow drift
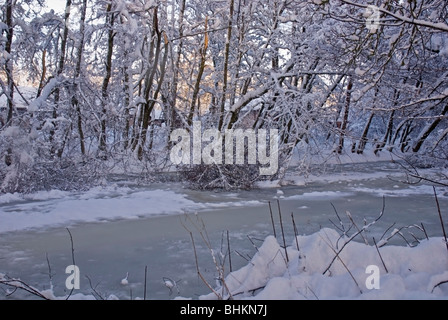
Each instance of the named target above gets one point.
<point>317,271</point>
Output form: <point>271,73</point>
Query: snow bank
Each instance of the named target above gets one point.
<point>45,209</point>
<point>59,208</point>
<point>359,273</point>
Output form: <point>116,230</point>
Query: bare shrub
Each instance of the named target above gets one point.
<point>226,177</point>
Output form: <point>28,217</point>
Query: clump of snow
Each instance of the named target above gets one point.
<point>324,195</point>
<point>360,72</point>
<point>317,271</point>
<point>266,184</point>
<point>9,197</point>
<point>12,131</point>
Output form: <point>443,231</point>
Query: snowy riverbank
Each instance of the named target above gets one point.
<point>414,271</point>
<point>360,271</point>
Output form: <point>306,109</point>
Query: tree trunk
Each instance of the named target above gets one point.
<point>404,140</point>
<point>171,116</point>
<point>9,73</point>
<point>439,140</point>
<point>346,114</point>
<point>150,105</point>
<point>43,75</point>
<point>388,135</point>
<point>203,53</point>
<point>156,41</point>
<point>127,100</point>
<point>363,140</point>
<point>390,125</point>
<point>9,63</point>
<point>56,146</point>
<point>226,66</point>
<point>241,39</point>
<point>110,20</point>
<point>428,130</point>
<point>75,101</point>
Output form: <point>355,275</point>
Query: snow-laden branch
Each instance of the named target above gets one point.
<point>46,92</point>
<point>250,96</point>
<point>19,284</point>
<point>275,78</point>
<point>423,23</point>
<point>417,102</point>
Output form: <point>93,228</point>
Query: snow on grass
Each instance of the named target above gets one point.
<point>412,273</point>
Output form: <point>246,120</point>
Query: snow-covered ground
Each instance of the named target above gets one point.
<point>57,208</point>
<point>320,265</point>
<point>329,266</point>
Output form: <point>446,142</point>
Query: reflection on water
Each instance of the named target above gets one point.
<point>107,251</point>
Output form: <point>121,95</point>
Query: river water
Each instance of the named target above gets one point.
<point>153,248</point>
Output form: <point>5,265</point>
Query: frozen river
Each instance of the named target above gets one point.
<point>124,228</point>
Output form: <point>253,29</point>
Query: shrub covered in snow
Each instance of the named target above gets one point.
<point>226,177</point>
<point>61,174</point>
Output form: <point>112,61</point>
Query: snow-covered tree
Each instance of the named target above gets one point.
<point>113,79</point>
